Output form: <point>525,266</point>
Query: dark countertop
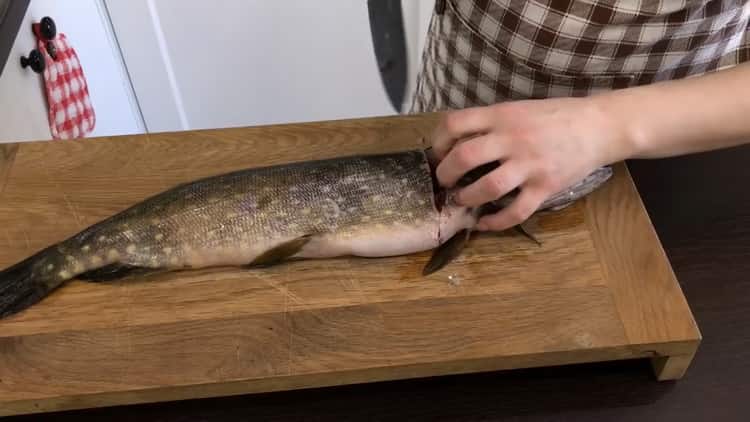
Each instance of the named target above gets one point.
<point>700,206</point>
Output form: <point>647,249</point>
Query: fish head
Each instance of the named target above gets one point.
<point>444,196</point>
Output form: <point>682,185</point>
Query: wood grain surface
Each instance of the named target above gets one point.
<point>702,216</point>
<point>599,288</point>
<point>7,154</point>
<point>621,233</point>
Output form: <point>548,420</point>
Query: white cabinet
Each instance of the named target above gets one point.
<point>199,64</point>
<point>167,65</point>
<point>23,108</point>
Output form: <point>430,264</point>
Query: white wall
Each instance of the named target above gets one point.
<point>200,64</point>
<point>23,109</point>
<point>417,14</point>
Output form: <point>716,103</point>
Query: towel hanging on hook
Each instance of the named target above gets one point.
<point>71,114</point>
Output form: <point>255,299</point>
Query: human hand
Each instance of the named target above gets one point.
<point>544,146</point>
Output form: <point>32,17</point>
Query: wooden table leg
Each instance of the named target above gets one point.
<point>669,368</point>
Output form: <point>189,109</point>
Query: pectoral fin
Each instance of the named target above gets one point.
<point>522,230</point>
<point>280,253</point>
<point>447,252</point>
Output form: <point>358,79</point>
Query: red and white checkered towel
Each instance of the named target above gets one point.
<point>70,112</point>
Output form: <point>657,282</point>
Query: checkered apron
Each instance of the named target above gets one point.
<point>484,52</point>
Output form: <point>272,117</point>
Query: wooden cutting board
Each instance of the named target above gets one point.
<point>599,288</point>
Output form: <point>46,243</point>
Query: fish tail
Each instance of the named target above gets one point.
<point>32,279</point>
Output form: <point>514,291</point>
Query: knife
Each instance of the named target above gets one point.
<point>389,42</point>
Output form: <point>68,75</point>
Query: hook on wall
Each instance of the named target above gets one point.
<point>35,60</point>
<point>46,30</point>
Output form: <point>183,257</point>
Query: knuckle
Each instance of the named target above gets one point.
<point>543,172</point>
<point>452,122</point>
<point>494,186</point>
<point>464,154</point>
<point>523,211</point>
<point>505,110</point>
<point>515,215</point>
<point>521,133</point>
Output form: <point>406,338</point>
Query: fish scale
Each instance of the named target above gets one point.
<point>368,205</point>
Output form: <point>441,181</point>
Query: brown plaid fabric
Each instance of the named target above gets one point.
<point>486,51</point>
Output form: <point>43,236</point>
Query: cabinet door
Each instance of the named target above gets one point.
<point>207,64</point>
<point>23,107</point>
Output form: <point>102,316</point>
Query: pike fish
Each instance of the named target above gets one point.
<point>374,205</point>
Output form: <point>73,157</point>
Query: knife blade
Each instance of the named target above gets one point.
<point>389,43</point>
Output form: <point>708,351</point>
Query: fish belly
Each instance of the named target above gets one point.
<point>374,242</point>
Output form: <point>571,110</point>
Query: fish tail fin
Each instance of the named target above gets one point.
<point>29,281</point>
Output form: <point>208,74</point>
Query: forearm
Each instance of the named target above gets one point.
<point>681,116</point>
